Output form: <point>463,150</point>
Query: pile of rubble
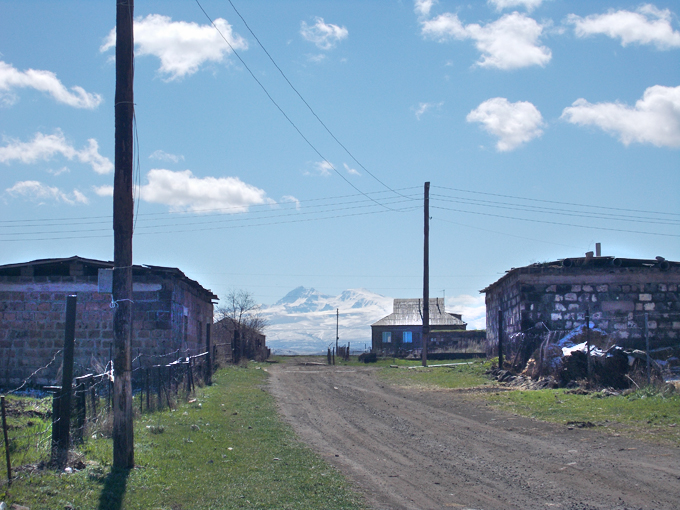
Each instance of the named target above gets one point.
<point>585,355</point>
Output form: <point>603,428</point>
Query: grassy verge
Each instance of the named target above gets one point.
<point>465,375</point>
<point>646,414</point>
<point>228,449</point>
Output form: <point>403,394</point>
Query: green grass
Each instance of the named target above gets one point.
<point>29,429</point>
<point>645,414</point>
<point>227,450</point>
<point>459,376</point>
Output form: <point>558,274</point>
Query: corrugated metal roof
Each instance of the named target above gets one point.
<point>408,312</point>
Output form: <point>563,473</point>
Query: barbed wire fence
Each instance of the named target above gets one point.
<point>31,414</point>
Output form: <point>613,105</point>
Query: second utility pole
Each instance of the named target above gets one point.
<point>426,276</point>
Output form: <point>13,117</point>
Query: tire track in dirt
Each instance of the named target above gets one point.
<point>421,449</point>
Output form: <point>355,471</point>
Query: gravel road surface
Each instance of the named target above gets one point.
<point>409,448</point>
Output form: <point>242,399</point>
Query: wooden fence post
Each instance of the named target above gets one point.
<point>64,423</point>
<point>4,433</point>
<point>148,398</point>
<point>93,397</point>
<point>160,389</point>
<point>208,359</point>
<point>81,411</point>
<point>55,391</point>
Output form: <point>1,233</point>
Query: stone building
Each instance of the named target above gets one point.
<point>617,293</point>
<point>171,313</point>
<point>231,346</point>
<point>401,332</point>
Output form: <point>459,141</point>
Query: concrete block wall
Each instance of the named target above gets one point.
<point>32,311</point>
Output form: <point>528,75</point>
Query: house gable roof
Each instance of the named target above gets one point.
<point>408,312</point>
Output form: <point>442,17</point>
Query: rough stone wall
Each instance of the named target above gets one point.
<point>617,300</point>
<point>32,313</point>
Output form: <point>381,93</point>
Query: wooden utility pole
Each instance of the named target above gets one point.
<point>123,446</point>
<point>337,324</point>
<point>426,276</point>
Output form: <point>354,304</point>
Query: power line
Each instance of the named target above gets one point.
<point>290,121</point>
<point>208,229</point>
<point>563,212</point>
<point>308,105</point>
<point>143,227</point>
<point>558,223</point>
<point>556,202</point>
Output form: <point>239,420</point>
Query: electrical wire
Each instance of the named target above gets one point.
<point>555,201</point>
<point>290,121</point>
<point>306,103</point>
<point>557,223</point>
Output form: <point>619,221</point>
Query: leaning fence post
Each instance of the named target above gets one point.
<point>4,433</point>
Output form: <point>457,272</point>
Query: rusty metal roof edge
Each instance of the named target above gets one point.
<point>579,264</point>
<point>109,264</point>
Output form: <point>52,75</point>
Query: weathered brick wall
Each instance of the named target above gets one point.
<point>616,298</point>
<point>32,311</point>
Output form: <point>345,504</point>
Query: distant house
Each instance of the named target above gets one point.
<point>401,332</point>
<point>171,314</point>
<point>617,293</point>
<point>232,344</point>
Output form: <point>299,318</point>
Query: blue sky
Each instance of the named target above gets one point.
<point>543,126</point>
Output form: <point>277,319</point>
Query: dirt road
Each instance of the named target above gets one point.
<point>423,449</point>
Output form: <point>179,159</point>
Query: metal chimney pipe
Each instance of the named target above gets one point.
<point>598,249</point>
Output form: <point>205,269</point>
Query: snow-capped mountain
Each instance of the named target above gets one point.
<point>304,320</point>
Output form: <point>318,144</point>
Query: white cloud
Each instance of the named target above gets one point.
<point>654,119</point>
<point>62,170</point>
<point>423,7</point>
<point>182,47</point>
<point>648,25</point>
<point>290,198</point>
<point>529,5</point>
<point>44,81</point>
<point>104,191</point>
<point>324,35</point>
<point>45,147</point>
<point>473,309</point>
<point>323,168</point>
<point>510,42</point>
<point>183,191</point>
<point>513,123</point>
<point>350,170</point>
<point>39,192</point>
<point>424,107</point>
<point>316,58</point>
<point>166,156</point>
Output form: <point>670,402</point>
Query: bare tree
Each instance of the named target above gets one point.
<point>245,315</point>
